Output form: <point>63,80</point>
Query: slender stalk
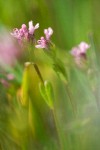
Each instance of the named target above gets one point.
<point>71,102</point>
<point>38,72</point>
<point>95,68</point>
<point>97,97</point>
<point>59,132</point>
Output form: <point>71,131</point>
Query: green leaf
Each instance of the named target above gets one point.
<point>46,91</point>
<point>43,92</point>
<point>50,93</point>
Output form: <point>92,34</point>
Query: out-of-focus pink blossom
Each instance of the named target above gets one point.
<point>9,50</point>
<point>4,83</point>
<point>6,80</point>
<point>45,41</point>
<point>24,33</point>
<point>10,76</point>
<point>79,52</point>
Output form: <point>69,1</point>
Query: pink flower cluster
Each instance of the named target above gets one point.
<point>44,42</point>
<point>24,33</point>
<point>79,52</point>
<point>27,34</point>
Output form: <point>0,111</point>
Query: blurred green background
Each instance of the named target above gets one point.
<point>72,20</point>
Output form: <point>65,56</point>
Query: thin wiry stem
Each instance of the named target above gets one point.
<point>60,136</point>
<point>71,102</point>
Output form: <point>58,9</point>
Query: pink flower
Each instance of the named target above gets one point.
<point>24,33</point>
<point>6,81</point>
<point>79,53</point>
<point>80,50</point>
<point>48,32</point>
<point>44,42</point>
<point>9,50</point>
<point>32,28</point>
<point>10,76</point>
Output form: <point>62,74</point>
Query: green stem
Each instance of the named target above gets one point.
<point>59,132</point>
<point>71,102</point>
<point>38,72</point>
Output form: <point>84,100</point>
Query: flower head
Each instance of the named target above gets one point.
<point>79,52</point>
<point>44,42</point>
<point>32,28</point>
<point>24,33</point>
<point>48,32</point>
